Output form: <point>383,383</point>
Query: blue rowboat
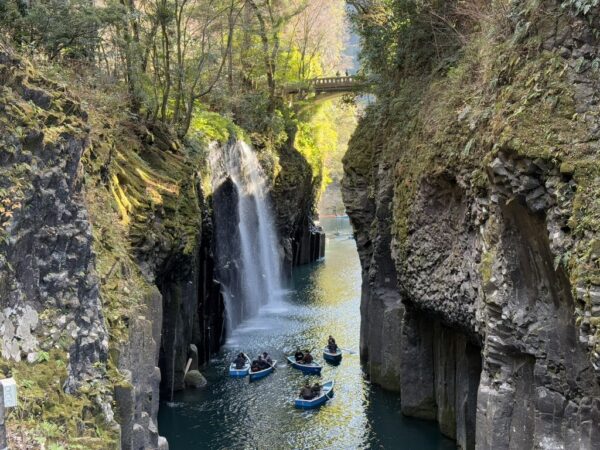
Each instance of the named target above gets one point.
<point>332,358</point>
<point>326,394</point>
<point>312,368</point>
<point>262,373</point>
<point>240,373</point>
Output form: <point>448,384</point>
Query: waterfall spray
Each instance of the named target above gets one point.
<point>247,250</point>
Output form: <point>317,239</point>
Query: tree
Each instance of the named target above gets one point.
<point>272,18</point>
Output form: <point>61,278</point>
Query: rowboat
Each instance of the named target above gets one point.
<point>262,373</point>
<point>240,373</point>
<point>312,368</point>
<point>332,358</point>
<point>326,394</point>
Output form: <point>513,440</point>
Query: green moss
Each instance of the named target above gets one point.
<point>499,96</point>
<point>150,199</point>
<point>487,262</point>
<point>48,416</point>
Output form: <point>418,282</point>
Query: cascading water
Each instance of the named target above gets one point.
<point>248,260</point>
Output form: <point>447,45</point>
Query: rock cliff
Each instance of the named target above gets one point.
<point>105,264</point>
<point>49,286</point>
<point>475,198</point>
<point>107,277</point>
<point>294,192</point>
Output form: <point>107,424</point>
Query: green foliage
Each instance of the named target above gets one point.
<point>323,138</point>
<point>42,357</point>
<point>294,67</point>
<point>583,7</point>
<point>212,126</point>
<point>51,417</point>
<point>55,26</point>
<point>403,37</point>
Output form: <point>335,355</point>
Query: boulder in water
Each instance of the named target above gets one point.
<point>195,379</point>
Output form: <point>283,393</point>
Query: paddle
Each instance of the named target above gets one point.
<point>352,352</point>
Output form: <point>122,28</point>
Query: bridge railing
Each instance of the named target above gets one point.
<point>334,80</point>
<point>326,84</point>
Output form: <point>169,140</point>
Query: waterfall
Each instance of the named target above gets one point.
<point>247,250</point>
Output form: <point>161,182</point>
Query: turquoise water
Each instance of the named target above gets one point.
<point>234,414</point>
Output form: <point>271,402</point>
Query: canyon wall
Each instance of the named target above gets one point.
<point>293,194</point>
<point>106,264</point>
<point>107,269</point>
<point>475,197</point>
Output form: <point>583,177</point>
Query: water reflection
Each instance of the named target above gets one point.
<point>232,414</point>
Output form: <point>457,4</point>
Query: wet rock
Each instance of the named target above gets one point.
<point>194,379</point>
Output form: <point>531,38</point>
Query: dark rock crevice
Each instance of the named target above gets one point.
<point>193,310</point>
<point>440,371</point>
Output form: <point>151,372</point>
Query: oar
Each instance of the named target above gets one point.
<point>352,352</point>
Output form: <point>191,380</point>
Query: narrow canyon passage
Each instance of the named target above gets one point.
<point>164,167</point>
<point>324,298</point>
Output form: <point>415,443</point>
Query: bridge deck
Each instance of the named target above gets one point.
<point>328,84</point>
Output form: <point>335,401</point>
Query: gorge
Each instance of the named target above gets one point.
<point>160,169</point>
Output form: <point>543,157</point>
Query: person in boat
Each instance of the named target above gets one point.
<point>299,356</point>
<point>262,363</point>
<point>307,392</point>
<point>316,389</point>
<point>307,358</point>
<point>255,367</point>
<point>267,358</point>
<point>331,345</point>
<point>240,361</point>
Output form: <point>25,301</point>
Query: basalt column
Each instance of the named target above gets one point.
<point>193,311</point>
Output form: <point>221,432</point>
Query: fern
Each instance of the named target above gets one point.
<point>581,7</point>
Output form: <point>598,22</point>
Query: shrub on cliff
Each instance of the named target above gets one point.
<point>56,27</point>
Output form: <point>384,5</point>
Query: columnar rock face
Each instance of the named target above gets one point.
<point>137,398</point>
<point>293,194</point>
<point>193,309</point>
<point>104,230</point>
<point>49,288</point>
<point>107,274</point>
<point>478,237</point>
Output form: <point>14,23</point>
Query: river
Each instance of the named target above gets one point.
<point>324,299</point>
